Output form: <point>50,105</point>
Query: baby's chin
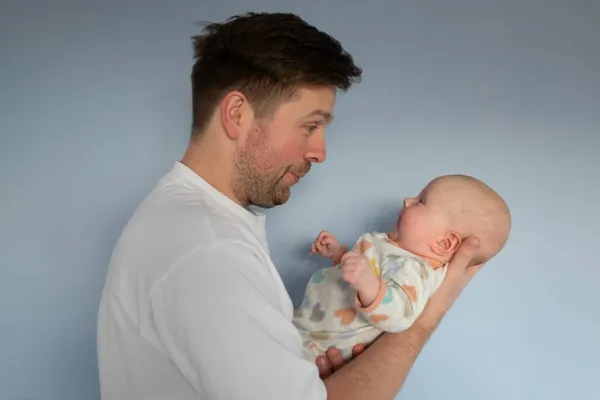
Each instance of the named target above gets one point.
<point>404,241</point>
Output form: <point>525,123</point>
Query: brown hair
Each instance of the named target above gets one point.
<point>266,56</point>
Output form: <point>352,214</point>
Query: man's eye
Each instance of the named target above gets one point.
<point>311,128</point>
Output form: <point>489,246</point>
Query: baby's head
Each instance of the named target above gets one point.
<point>448,210</point>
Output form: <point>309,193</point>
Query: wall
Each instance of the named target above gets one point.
<point>94,108</point>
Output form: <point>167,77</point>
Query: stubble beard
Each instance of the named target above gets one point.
<point>257,181</point>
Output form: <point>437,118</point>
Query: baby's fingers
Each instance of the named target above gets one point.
<point>349,255</point>
<point>323,235</point>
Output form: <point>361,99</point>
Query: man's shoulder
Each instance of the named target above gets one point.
<point>174,225</point>
<point>174,208</point>
<point>173,220</point>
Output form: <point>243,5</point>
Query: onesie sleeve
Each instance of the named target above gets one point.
<point>218,317</point>
<point>400,300</point>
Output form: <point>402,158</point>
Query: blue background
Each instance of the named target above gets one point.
<point>95,107</point>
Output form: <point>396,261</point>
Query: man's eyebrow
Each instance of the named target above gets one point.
<point>328,117</point>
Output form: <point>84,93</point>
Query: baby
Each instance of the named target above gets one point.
<point>383,284</point>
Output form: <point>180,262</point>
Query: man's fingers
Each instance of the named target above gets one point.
<point>335,358</point>
<point>358,349</point>
<point>474,269</point>
<point>465,253</point>
<point>324,367</point>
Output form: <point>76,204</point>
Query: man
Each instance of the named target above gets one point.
<point>193,307</point>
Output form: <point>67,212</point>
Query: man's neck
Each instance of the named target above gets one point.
<point>211,164</point>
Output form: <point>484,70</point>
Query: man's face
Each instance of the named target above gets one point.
<point>279,151</point>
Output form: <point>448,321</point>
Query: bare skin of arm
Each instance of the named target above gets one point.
<point>381,370</point>
<point>338,257</point>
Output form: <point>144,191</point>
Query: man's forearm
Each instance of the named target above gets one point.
<point>379,373</point>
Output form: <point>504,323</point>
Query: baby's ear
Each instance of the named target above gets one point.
<point>447,244</point>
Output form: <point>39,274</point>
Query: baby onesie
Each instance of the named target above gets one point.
<point>331,315</point>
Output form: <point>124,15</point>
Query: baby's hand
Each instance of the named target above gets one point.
<point>356,270</point>
<point>326,245</point>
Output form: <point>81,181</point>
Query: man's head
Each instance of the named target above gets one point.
<point>450,209</point>
<point>264,88</point>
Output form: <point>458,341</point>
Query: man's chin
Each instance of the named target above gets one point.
<point>283,196</point>
<point>280,198</point>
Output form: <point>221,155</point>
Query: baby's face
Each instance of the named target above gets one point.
<point>449,209</point>
<point>423,219</point>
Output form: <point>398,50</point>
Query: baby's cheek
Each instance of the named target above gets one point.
<point>414,233</point>
<point>409,225</point>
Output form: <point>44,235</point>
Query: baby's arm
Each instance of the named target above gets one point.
<point>327,245</point>
<point>400,299</point>
<point>337,258</point>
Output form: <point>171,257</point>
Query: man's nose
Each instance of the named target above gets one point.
<point>316,151</point>
<point>408,201</point>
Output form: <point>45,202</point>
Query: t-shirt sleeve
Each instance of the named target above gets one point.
<point>218,317</point>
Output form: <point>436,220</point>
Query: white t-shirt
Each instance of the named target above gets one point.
<point>193,307</point>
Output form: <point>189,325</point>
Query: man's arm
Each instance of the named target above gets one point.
<point>221,326</point>
<point>380,371</point>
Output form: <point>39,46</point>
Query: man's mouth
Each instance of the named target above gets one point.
<point>300,174</point>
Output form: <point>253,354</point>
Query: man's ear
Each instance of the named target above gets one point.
<point>236,114</point>
<point>447,244</point>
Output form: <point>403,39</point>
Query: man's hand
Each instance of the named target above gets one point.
<point>326,245</point>
<point>458,275</point>
<point>332,360</point>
